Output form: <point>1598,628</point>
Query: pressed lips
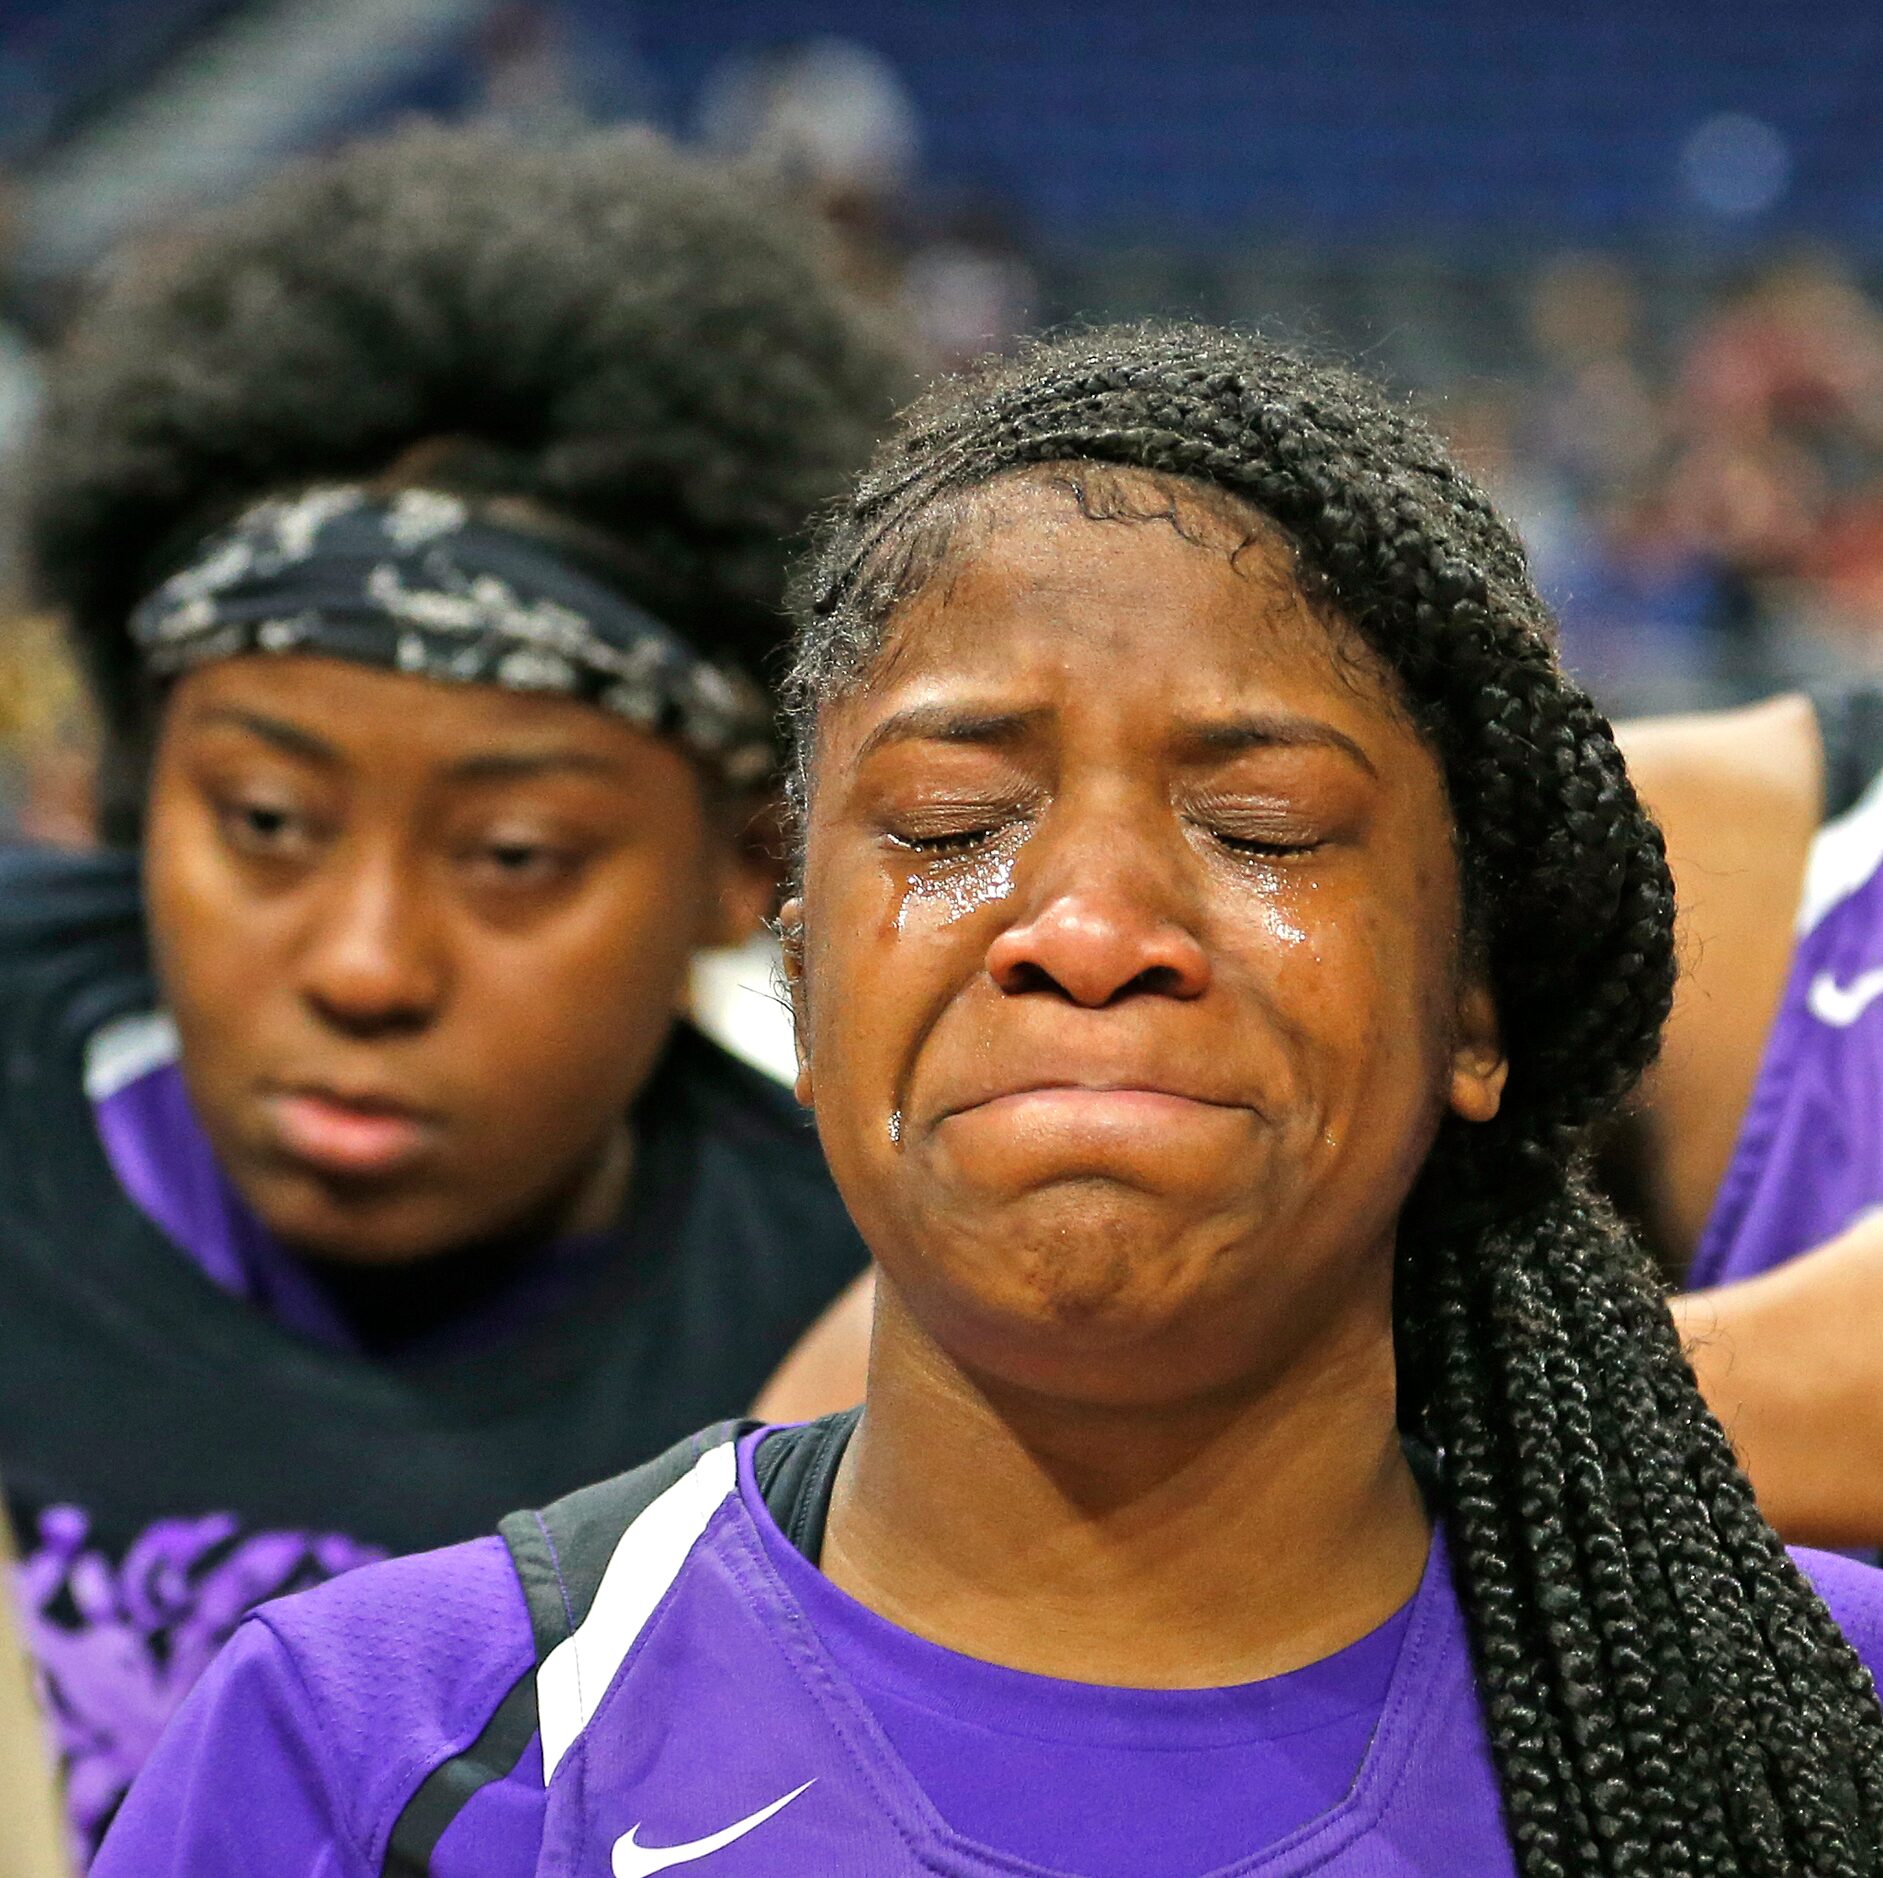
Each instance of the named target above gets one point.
<point>1072,1097</point>
<point>355,1136</point>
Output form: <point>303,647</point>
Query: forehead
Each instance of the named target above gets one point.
<point>1125,586</point>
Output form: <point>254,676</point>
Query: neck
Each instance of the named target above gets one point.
<point>1193,1545</point>
<point>597,1200</point>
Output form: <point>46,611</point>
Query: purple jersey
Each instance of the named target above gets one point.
<point>633,1689</point>
<point>1097,1780</point>
<point>1809,1160</point>
<point>162,1158</point>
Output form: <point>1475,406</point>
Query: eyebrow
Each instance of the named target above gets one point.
<point>494,766</point>
<point>272,730</point>
<point>950,723</point>
<point>1267,730</point>
<point>1255,730</point>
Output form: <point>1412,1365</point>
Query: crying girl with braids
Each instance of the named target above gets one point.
<point>1219,925</point>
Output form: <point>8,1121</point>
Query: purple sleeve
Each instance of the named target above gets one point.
<point>297,1752</point>
<point>241,1782</point>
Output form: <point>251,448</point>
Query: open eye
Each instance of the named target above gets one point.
<point>255,825</point>
<point>523,864</point>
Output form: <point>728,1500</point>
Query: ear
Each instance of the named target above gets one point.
<point>1478,1066</point>
<point>791,957</point>
<point>751,876</point>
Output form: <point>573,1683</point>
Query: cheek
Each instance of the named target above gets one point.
<point>215,951</point>
<point>872,962</point>
<point>1360,980</point>
<point>846,956</point>
<point>1392,1022</point>
<point>585,998</point>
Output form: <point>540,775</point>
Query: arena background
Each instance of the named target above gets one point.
<point>1627,255</point>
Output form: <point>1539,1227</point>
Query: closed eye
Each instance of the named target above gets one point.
<point>955,841</point>
<point>1272,850</point>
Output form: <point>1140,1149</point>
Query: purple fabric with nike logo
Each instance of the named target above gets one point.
<point>698,1718</point>
<point>1809,1161</point>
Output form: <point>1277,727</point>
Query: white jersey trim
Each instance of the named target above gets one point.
<point>126,1050</point>
<point>646,1560</point>
<point>1844,856</point>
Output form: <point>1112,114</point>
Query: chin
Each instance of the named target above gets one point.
<point>1105,1263</point>
<point>384,1229</point>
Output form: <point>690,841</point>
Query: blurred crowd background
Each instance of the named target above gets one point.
<point>1628,257</point>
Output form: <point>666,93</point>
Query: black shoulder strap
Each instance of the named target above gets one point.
<point>451,1786</point>
<point>796,1469</point>
<point>560,1554</point>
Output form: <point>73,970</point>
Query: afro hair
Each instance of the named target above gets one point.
<point>649,348</point>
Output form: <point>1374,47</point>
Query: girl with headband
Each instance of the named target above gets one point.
<point>1219,925</point>
<point>421,522</point>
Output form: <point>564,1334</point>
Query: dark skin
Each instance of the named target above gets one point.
<point>423,944</point>
<point>1129,1013</point>
<point>1790,1361</point>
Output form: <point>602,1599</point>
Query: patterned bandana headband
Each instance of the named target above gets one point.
<point>417,582</point>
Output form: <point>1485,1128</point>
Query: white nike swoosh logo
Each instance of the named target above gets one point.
<point>633,1860</point>
<point>1841,1005</point>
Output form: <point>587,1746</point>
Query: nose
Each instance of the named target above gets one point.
<point>1110,923</point>
<point>371,966</point>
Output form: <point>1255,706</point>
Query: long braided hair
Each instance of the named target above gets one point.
<point>1665,1692</point>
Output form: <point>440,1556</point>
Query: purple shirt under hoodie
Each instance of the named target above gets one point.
<point>163,1160</point>
<point>1809,1160</point>
<point>721,1706</point>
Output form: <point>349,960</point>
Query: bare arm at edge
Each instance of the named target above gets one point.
<point>825,1370</point>
<point>1792,1364</point>
<point>1739,795</point>
<point>1791,1361</point>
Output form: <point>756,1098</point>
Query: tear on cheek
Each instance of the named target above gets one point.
<point>1281,928</point>
<point>961,889</point>
<point>1270,904</point>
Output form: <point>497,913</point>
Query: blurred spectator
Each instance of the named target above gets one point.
<point>1593,423</point>
<point>833,120</point>
<point>19,380</point>
<point>1708,516</point>
<point>545,71</point>
<point>19,367</point>
<point>1801,351</point>
<point>46,751</point>
<point>971,289</point>
<point>530,85</point>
